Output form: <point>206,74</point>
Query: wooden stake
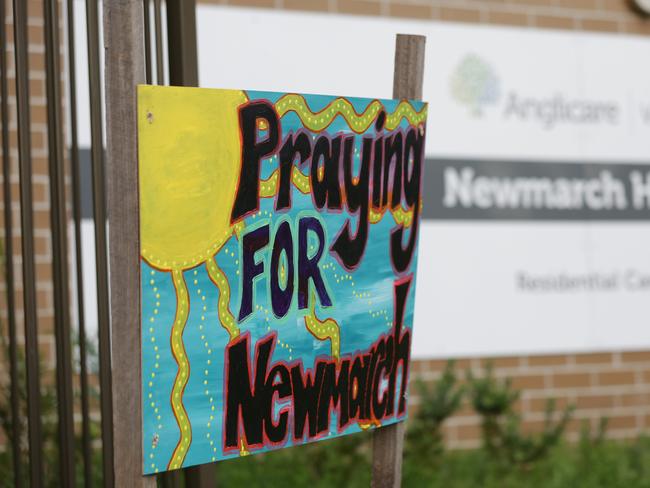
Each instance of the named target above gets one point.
<point>388,442</point>
<point>409,67</point>
<point>124,43</point>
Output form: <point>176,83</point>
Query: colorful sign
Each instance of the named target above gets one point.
<point>279,237</point>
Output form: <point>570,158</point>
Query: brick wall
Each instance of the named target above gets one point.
<point>588,15</point>
<point>41,201</point>
<point>614,384</point>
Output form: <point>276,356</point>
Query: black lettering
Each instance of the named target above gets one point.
<point>299,145</point>
<point>281,298</point>
<point>253,151</point>
<point>251,243</point>
<point>243,401</point>
<point>277,432</point>
<point>414,146</point>
<point>326,189</point>
<point>305,400</point>
<point>347,247</point>
<point>308,266</point>
<point>334,393</point>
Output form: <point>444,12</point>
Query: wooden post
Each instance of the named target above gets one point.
<point>388,442</point>
<point>124,44</point>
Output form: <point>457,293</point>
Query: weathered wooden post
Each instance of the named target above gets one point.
<point>388,442</point>
<point>124,44</point>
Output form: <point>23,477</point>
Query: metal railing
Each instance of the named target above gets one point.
<point>77,446</point>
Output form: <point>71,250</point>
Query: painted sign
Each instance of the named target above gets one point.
<point>279,237</point>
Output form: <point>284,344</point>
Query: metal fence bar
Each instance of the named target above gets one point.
<point>147,41</point>
<point>9,259</point>
<point>76,215</point>
<point>26,222</point>
<point>181,35</point>
<point>99,206</point>
<point>65,402</point>
<point>160,74</point>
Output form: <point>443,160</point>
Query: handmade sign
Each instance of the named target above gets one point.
<point>279,237</point>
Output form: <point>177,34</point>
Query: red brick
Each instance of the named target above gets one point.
<point>636,356</point>
<point>594,358</point>
<point>623,422</point>
<point>571,380</point>
<point>547,360</point>
<point>637,26</point>
<point>554,22</point>
<point>586,402</point>
<point>635,400</point>
<point>578,4</point>
<point>253,3</point>
<point>507,18</point>
<point>359,7</point>
<point>528,382</point>
<point>41,245</point>
<point>409,10</point>
<point>600,25</point>
<point>502,362</point>
<point>311,5</point>
<point>535,2</point>
<point>614,378</point>
<point>431,365</point>
<point>538,405</point>
<point>616,6</point>
<point>459,14</point>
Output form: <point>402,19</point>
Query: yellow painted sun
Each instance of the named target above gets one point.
<point>188,173</point>
<point>189,162</point>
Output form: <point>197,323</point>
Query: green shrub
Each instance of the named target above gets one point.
<point>424,440</point>
<point>494,400</point>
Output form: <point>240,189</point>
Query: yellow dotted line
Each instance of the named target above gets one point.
<point>318,121</point>
<point>324,329</point>
<point>206,372</point>
<point>225,316</point>
<point>182,376</point>
<point>152,404</point>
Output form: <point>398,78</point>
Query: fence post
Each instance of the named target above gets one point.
<point>124,44</point>
<point>181,43</point>
<point>388,442</point>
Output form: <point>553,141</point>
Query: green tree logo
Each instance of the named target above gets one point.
<point>475,84</point>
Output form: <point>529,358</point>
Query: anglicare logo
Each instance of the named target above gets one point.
<point>475,84</point>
